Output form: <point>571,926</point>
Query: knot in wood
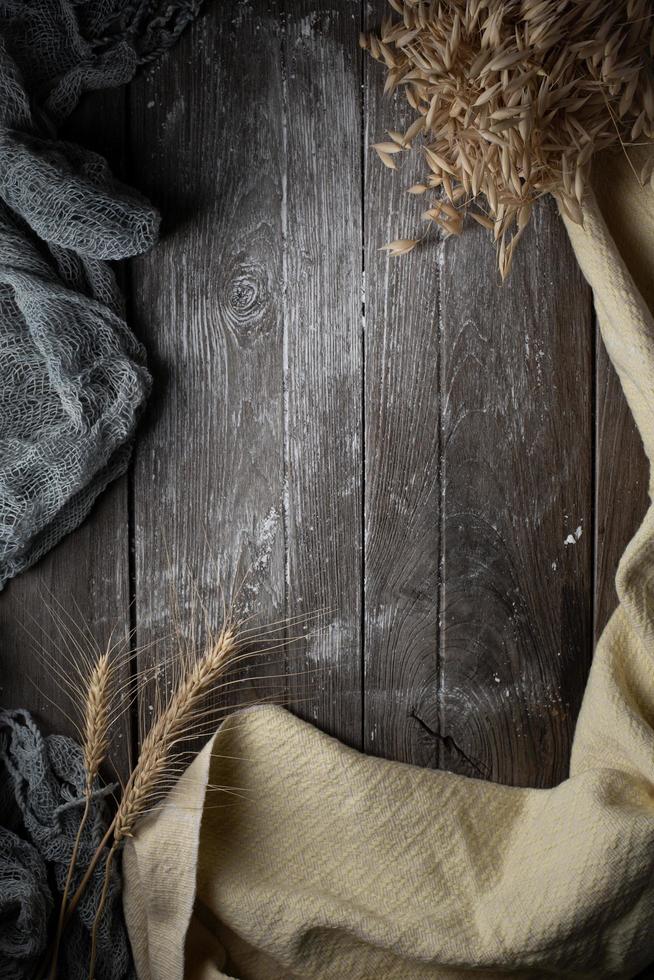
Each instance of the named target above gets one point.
<point>246,299</point>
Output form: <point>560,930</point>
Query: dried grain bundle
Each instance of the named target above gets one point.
<point>161,748</point>
<point>102,685</point>
<point>514,98</point>
<point>162,743</point>
<point>183,713</point>
<point>91,678</point>
<point>97,721</point>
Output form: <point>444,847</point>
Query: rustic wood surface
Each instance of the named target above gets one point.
<point>442,468</point>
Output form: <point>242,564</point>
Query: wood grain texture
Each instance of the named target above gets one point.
<point>209,470</point>
<point>407,451</point>
<point>517,505</point>
<point>322,359</point>
<point>479,454</point>
<point>81,586</point>
<point>402,410</point>
<point>250,309</point>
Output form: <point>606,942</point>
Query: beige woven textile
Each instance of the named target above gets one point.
<point>331,864</point>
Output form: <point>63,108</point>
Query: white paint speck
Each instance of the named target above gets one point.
<point>573,538</point>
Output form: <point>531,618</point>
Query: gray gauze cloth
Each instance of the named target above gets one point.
<point>42,784</point>
<point>72,375</point>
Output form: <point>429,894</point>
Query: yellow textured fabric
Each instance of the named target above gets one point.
<point>332,864</point>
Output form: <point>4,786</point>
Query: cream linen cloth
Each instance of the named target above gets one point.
<point>332,864</point>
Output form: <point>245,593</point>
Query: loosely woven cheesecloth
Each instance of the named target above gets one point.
<point>41,800</point>
<point>72,376</point>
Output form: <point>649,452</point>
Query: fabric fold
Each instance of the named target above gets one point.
<point>43,783</point>
<point>332,864</point>
<point>74,379</point>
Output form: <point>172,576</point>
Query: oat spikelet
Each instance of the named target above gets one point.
<point>402,246</point>
<point>514,98</point>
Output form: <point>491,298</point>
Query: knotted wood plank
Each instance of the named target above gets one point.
<point>247,476</point>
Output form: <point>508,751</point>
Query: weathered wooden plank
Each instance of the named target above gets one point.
<point>265,381</point>
<point>488,409</point>
<point>209,473</point>
<point>84,582</point>
<point>620,484</point>
<point>250,311</point>
<point>323,362</point>
<point>480,396</point>
<point>81,588</point>
<point>516,630</point>
<point>402,411</point>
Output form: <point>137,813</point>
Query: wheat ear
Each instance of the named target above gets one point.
<point>160,747</point>
<point>95,744</point>
<point>161,742</point>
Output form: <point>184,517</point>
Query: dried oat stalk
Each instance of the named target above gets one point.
<point>513,100</point>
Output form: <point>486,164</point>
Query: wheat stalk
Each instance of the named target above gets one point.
<point>513,99</point>
<point>183,716</point>
<point>159,750</point>
<point>97,719</point>
<point>161,742</point>
<point>88,677</point>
